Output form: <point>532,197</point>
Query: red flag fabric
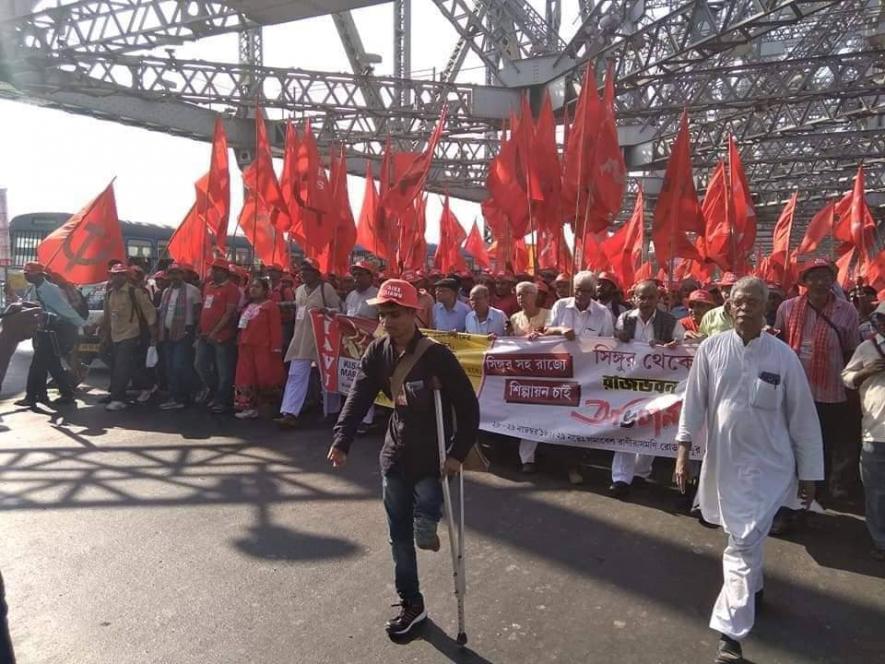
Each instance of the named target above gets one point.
<point>677,210</point>
<point>594,255</point>
<point>448,256</point>
<point>268,242</point>
<point>508,197</point>
<point>526,151</point>
<point>476,247</point>
<point>545,158</point>
<point>780,239</point>
<point>414,250</point>
<point>213,190</point>
<point>717,239</point>
<point>191,242</point>
<point>624,247</point>
<point>410,184</point>
<point>290,186</point>
<point>579,151</point>
<point>368,233</point>
<point>862,225</point>
<point>818,228</point>
<point>260,179</point>
<point>314,196</point>
<point>336,255</point>
<point>741,207</point>
<point>80,249</point>
<point>608,169</point>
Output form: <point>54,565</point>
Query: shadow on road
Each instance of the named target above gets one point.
<point>445,644</point>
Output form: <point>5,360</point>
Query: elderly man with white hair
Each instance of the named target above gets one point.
<point>749,391</point>
<point>581,315</point>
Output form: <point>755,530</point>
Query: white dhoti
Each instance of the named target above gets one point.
<point>527,450</point>
<point>297,385</point>
<point>626,466</point>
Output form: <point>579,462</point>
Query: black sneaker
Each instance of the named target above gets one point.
<point>619,490</point>
<point>411,614</point>
<point>729,651</point>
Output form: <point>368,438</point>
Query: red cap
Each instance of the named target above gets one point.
<point>701,296</point>
<point>727,279</point>
<point>220,262</point>
<point>35,268</point>
<point>504,276</point>
<point>396,291</point>
<point>119,268</point>
<point>411,276</point>
<point>813,265</point>
<point>363,265</point>
<point>609,276</point>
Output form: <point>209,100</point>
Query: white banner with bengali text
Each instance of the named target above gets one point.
<point>590,392</point>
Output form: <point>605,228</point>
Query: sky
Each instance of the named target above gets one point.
<point>52,161</point>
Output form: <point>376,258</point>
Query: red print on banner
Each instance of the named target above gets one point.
<point>635,412</point>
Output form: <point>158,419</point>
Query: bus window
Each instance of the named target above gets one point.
<point>24,246</point>
<point>139,248</point>
<point>162,248</point>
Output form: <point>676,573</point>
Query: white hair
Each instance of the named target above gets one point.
<point>529,286</point>
<point>479,289</point>
<point>584,277</point>
<point>745,284</point>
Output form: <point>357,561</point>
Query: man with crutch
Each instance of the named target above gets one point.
<point>407,366</point>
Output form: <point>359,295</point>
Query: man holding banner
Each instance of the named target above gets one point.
<point>405,365</point>
<point>749,391</point>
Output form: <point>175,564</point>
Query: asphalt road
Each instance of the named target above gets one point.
<point>185,538</point>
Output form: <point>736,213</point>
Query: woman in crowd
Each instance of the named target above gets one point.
<point>260,358</point>
<point>530,317</point>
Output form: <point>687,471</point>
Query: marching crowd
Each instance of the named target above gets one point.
<point>805,370</point>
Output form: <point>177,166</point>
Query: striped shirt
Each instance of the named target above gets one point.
<point>844,317</point>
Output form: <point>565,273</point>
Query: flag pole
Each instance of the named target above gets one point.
<point>257,187</point>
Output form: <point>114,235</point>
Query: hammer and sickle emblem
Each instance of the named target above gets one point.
<point>77,256</point>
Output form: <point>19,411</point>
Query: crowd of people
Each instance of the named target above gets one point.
<point>242,342</point>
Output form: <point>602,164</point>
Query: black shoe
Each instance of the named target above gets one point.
<point>410,615</point>
<point>729,651</point>
<point>27,402</point>
<point>759,601</point>
<point>784,523</point>
<point>362,430</point>
<point>64,400</point>
<point>529,468</point>
<point>619,490</point>
<point>105,399</point>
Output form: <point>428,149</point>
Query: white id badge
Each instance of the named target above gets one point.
<point>299,313</point>
<point>207,303</point>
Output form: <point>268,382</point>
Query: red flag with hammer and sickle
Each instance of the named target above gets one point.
<point>81,248</point>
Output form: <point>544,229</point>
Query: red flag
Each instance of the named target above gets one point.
<point>862,225</point>
<point>608,171</point>
<point>335,257</point>
<point>81,248</point>
<point>314,195</point>
<point>579,151</point>
<point>548,169</point>
<point>818,228</point>
<point>448,256</point>
<point>476,247</point>
<point>191,243</point>
<point>677,210</point>
<point>780,238</point>
<point>213,190</point>
<point>717,238</point>
<point>508,197</point>
<point>528,172</point>
<point>741,207</point>
<point>415,255</point>
<point>260,179</point>
<point>290,186</point>
<point>624,247</point>
<point>410,184</point>
<point>594,255</point>
<point>267,241</point>
<point>367,234</point>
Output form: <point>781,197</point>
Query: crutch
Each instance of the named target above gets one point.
<point>457,547</point>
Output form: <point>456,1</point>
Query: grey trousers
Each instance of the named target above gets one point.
<point>872,473</point>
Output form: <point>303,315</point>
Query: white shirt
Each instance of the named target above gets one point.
<point>645,329</point>
<point>355,303</point>
<point>495,323</point>
<point>596,320</point>
<point>872,390</point>
<point>762,429</point>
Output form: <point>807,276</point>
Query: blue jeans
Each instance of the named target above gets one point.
<point>872,472</point>
<point>216,364</point>
<point>407,502</point>
<point>179,357</point>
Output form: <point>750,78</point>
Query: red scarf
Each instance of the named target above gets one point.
<point>820,352</point>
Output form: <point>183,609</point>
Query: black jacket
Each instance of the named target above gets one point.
<point>410,446</point>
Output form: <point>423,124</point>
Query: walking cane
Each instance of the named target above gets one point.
<point>457,548</point>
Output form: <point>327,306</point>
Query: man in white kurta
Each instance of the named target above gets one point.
<point>750,393</point>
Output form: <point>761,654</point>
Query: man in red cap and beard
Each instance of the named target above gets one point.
<point>406,365</point>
